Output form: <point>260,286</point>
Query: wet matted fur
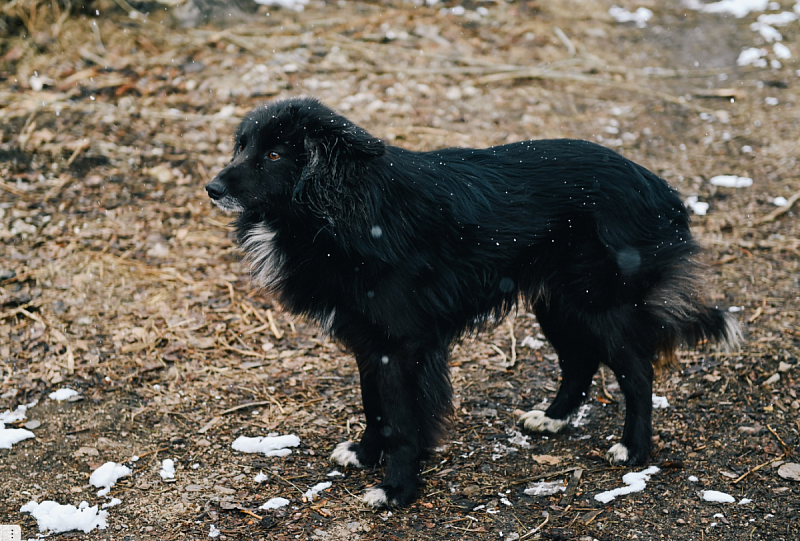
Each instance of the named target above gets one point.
<point>399,253</point>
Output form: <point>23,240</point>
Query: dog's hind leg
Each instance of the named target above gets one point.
<point>634,373</point>
<point>367,452</point>
<point>579,354</point>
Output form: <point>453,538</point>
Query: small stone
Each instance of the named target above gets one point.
<point>790,470</point>
<point>773,379</point>
<point>784,366</point>
<point>755,429</point>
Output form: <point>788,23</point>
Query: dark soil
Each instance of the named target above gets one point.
<point>118,278</point>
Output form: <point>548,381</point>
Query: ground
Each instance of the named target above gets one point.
<point>118,279</point>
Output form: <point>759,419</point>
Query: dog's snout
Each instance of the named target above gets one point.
<point>216,189</point>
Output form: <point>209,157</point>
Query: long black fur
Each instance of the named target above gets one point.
<point>399,253</point>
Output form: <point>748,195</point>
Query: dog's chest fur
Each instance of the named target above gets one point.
<point>261,252</point>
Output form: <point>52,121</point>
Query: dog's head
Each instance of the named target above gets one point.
<point>290,150</point>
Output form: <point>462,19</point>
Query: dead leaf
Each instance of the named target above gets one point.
<point>547,459</point>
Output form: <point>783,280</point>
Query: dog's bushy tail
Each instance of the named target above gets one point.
<point>687,319</point>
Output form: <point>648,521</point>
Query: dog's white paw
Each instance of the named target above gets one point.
<point>376,497</point>
<point>537,421</point>
<point>618,454</point>
<point>344,456</point>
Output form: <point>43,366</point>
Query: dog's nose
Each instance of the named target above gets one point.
<point>216,189</point>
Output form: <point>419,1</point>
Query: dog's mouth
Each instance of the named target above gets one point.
<point>228,204</point>
<point>218,193</point>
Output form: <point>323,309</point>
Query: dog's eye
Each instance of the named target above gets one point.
<point>273,156</point>
<point>241,147</point>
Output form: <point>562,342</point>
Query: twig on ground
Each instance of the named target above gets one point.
<point>536,529</point>
<point>572,487</point>
<point>603,380</point>
<point>565,40</point>
<point>783,443</point>
<point>772,216</point>
<point>243,406</point>
<point>154,451</point>
<point>276,332</point>
<point>760,466</point>
<point>246,512</point>
<point>513,342</point>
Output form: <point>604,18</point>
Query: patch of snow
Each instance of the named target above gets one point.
<point>731,181</point>
<point>660,402</point>
<point>226,112</point>
<point>622,15</point>
<point>745,501</point>
<point>18,414</point>
<point>693,479</point>
<point>752,56</point>
<point>581,416</point>
<point>335,473</point>
<point>167,469</point>
<point>296,5</point>
<point>457,10</point>
<point>716,496</point>
<point>316,489</point>
<point>112,503</point>
<point>62,394</point>
<point>781,51</point>
<point>261,477</point>
<point>214,531</point>
<point>780,201</point>
<point>518,438</point>
<point>545,488</point>
<point>53,517</point>
<point>635,481</point>
<point>700,208</point>
<point>777,19</point>
<point>268,445</point>
<point>107,475</point>
<point>532,342</point>
<point>275,503</point>
<point>768,32</point>
<point>10,436</point>
<point>737,8</point>
<point>771,101</point>
<point>501,450</point>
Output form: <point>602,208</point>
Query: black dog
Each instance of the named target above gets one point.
<point>399,253</point>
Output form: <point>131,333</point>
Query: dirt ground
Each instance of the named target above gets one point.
<point>119,280</point>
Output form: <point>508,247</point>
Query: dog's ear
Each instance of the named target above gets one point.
<point>335,150</point>
<point>337,153</point>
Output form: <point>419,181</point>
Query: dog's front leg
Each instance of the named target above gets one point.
<point>407,400</point>
<point>416,398</point>
<point>367,452</point>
